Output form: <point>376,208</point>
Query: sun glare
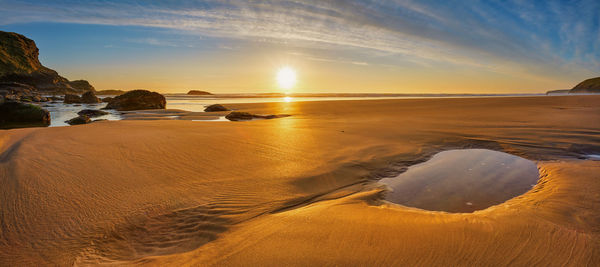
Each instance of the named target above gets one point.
<point>286,78</point>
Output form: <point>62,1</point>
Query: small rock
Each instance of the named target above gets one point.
<point>215,107</point>
<point>35,98</point>
<point>70,99</point>
<point>90,97</point>
<point>239,116</point>
<point>92,113</point>
<point>107,99</point>
<point>82,119</point>
<point>198,92</point>
<point>245,116</point>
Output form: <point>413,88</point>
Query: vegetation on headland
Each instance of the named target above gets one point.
<point>588,86</point>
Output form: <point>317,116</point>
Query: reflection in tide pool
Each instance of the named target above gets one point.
<point>462,181</point>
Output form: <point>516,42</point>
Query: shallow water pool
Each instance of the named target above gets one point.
<point>462,181</point>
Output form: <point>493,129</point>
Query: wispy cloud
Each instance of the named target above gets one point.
<point>158,42</point>
<point>541,39</point>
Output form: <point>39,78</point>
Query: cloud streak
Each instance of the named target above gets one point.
<point>540,39</point>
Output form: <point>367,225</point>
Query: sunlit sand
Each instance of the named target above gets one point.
<point>300,190</point>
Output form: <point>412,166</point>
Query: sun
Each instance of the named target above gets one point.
<point>286,78</point>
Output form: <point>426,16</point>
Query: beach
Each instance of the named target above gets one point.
<point>299,190</point>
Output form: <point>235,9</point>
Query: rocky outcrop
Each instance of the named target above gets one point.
<point>19,63</point>
<point>20,92</point>
<point>215,107</point>
<point>137,100</point>
<point>17,115</point>
<point>81,119</point>
<point>82,85</point>
<point>107,99</point>
<point>587,86</point>
<point>89,98</point>
<point>92,113</point>
<point>198,92</point>
<point>72,99</point>
<point>245,116</point>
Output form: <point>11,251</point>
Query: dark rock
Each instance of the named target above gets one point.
<point>198,92</point>
<point>70,99</point>
<point>268,117</point>
<point>92,113</point>
<point>107,99</point>
<point>245,116</point>
<point>82,119</point>
<point>89,97</point>
<point>16,115</point>
<point>99,120</point>
<point>137,100</point>
<point>239,116</point>
<point>215,107</point>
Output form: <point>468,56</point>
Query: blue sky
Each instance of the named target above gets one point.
<point>336,46</point>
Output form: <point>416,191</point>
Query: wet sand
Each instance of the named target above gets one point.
<point>298,190</point>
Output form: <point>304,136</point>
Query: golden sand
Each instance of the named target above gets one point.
<point>298,190</point>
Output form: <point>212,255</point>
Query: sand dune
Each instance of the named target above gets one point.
<point>298,190</point>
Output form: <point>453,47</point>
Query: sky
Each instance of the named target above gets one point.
<point>341,46</point>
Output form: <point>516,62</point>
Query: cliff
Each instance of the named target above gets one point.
<point>19,63</point>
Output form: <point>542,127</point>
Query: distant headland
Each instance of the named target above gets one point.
<point>589,86</point>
